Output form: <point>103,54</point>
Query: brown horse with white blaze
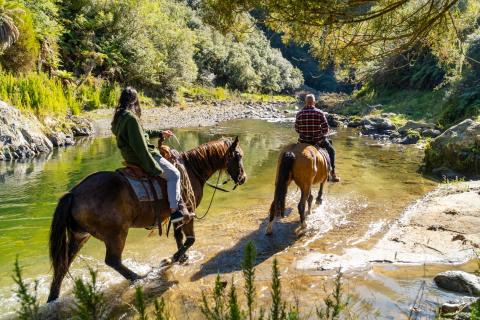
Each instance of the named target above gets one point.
<point>306,166</point>
<point>103,206</point>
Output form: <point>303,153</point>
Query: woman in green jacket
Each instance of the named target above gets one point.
<point>136,149</point>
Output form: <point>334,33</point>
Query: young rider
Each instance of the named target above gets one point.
<point>312,126</point>
<point>136,149</point>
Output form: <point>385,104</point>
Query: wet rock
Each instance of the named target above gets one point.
<point>335,120</point>
<point>446,173</point>
<point>458,148</point>
<point>431,133</point>
<point>417,126</point>
<point>459,281</point>
<point>21,135</point>
<point>354,122</point>
<point>60,139</point>
<point>81,127</point>
<point>410,139</point>
<point>463,305</point>
<point>377,127</point>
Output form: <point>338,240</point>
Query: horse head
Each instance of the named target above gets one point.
<point>234,163</point>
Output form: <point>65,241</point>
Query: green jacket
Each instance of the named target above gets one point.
<point>134,144</point>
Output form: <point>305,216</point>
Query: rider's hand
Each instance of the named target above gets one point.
<point>167,134</point>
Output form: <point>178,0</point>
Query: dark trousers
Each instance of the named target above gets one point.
<point>327,145</point>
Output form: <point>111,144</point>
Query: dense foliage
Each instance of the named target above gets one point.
<point>158,46</point>
<point>356,31</point>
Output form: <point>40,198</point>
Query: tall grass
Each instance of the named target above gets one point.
<point>42,95</point>
<point>29,306</point>
<point>222,303</point>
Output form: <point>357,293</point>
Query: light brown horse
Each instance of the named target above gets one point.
<point>103,206</point>
<point>306,166</point>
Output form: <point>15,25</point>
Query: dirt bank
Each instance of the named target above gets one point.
<point>442,227</point>
<point>195,115</point>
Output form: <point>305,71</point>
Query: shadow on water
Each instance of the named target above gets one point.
<point>229,260</point>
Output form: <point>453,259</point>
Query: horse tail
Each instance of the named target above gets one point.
<point>58,234</point>
<point>283,178</point>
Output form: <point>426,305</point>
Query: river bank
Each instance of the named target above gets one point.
<point>442,227</point>
<point>199,114</point>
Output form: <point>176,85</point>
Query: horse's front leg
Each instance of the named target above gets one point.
<point>180,255</point>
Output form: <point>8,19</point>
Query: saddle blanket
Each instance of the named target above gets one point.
<point>145,188</point>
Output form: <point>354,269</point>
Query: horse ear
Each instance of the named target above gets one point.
<point>235,143</point>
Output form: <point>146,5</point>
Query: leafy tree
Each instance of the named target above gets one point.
<point>245,64</point>
<point>47,30</point>
<point>21,56</point>
<point>9,33</point>
<point>141,42</point>
<point>356,31</point>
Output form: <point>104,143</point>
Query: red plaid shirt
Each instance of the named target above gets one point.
<point>311,124</point>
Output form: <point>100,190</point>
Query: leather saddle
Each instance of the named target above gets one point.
<point>145,187</point>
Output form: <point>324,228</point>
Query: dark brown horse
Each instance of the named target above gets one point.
<point>103,206</point>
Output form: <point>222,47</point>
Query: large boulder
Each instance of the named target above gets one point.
<point>458,148</point>
<point>417,126</point>
<point>374,125</point>
<point>21,135</point>
<point>458,281</point>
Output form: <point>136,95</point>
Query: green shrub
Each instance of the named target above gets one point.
<point>38,93</point>
<point>334,303</point>
<point>89,300</point>
<point>161,312</point>
<point>29,306</point>
<point>140,306</point>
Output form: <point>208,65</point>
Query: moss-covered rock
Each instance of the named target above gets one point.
<point>458,148</point>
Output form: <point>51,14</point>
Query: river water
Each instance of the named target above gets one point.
<point>378,182</point>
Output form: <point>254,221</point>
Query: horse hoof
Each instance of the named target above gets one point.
<point>300,232</point>
<point>183,259</point>
<point>268,232</point>
<point>167,262</point>
<point>318,202</point>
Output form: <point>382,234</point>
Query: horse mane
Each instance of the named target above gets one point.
<point>208,157</point>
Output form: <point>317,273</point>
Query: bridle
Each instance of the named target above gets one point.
<point>216,186</point>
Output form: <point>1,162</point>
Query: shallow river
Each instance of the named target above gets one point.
<point>378,183</point>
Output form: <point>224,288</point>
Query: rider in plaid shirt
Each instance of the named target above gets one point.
<point>312,126</point>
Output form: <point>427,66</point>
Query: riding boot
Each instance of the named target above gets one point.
<point>334,177</point>
<point>186,215</point>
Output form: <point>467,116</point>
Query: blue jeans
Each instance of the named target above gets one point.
<point>172,175</point>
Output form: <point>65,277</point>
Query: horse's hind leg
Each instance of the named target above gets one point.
<point>75,243</point>
<point>77,240</point>
<point>320,194</point>
<point>113,258</point>
<point>301,211</point>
